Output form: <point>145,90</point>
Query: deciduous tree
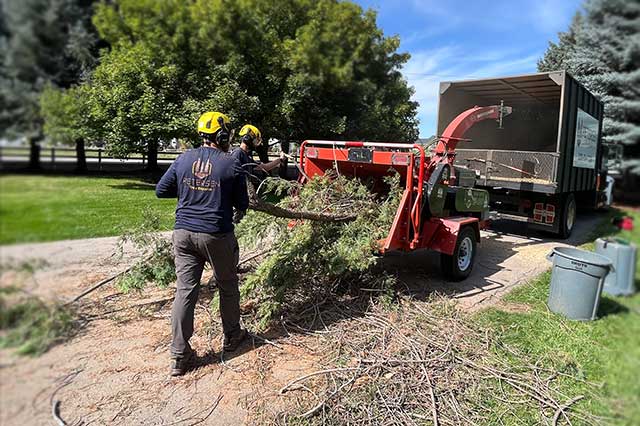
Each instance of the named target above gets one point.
<point>296,69</point>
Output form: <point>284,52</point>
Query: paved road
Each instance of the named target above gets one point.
<point>509,255</point>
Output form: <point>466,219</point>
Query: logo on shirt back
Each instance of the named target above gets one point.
<point>201,169</point>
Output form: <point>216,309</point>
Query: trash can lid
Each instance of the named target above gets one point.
<point>583,256</point>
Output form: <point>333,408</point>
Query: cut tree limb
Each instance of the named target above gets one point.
<point>257,204</point>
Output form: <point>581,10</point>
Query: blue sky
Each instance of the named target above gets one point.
<point>458,39</point>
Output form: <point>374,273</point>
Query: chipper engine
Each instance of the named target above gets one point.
<point>440,209</point>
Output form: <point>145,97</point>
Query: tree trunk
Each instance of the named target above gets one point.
<point>81,156</point>
<point>152,157</point>
<point>257,204</point>
<point>34,155</point>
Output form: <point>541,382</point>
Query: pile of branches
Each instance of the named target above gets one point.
<point>310,258</point>
<point>425,364</point>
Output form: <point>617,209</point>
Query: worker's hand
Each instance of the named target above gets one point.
<point>283,159</point>
<point>238,215</point>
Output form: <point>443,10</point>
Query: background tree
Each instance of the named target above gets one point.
<point>295,68</point>
<point>45,42</point>
<point>602,50</point>
<point>66,120</point>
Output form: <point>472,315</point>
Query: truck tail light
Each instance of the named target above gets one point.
<point>538,212</point>
<point>551,213</point>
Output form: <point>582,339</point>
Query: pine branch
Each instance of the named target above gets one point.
<point>255,203</point>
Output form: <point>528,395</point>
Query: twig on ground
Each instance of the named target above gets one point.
<point>286,387</point>
<point>565,407</point>
<point>98,285</point>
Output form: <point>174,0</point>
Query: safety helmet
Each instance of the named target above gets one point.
<point>215,124</point>
<point>250,135</point>
<point>210,122</point>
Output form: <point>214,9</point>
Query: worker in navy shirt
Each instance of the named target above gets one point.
<point>209,183</point>
<point>250,140</point>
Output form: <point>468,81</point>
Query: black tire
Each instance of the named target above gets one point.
<point>568,216</point>
<point>454,267</point>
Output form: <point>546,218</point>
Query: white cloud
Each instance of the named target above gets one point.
<point>427,68</point>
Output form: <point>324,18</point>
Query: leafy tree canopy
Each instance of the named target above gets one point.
<point>295,68</point>
<point>602,50</point>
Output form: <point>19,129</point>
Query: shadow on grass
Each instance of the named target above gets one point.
<point>143,186</point>
<point>610,306</point>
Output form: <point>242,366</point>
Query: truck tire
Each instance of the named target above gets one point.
<point>568,216</point>
<point>458,266</point>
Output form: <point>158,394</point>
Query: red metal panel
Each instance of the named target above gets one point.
<point>441,234</point>
<point>399,233</point>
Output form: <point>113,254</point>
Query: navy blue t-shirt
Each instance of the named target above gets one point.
<point>245,158</point>
<point>208,184</point>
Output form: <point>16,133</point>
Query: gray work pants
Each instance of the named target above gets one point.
<point>192,250</point>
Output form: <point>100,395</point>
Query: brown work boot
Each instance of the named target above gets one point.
<point>232,341</point>
<point>181,364</point>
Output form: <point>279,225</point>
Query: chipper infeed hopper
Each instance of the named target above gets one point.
<point>439,209</point>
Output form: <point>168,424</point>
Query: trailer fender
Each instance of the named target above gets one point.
<point>441,234</point>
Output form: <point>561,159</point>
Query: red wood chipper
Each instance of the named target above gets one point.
<point>440,209</point>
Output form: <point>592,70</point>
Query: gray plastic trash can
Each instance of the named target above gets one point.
<point>619,282</point>
<point>577,279</point>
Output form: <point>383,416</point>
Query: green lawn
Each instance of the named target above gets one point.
<point>605,352</point>
<point>46,208</point>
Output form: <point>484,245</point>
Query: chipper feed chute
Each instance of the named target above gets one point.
<point>439,209</point>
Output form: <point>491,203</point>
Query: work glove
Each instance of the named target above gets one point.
<point>283,159</point>
<point>238,215</point>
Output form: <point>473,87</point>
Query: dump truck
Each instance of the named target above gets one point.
<point>543,163</point>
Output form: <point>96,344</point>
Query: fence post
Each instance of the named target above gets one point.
<point>53,158</point>
<point>100,159</point>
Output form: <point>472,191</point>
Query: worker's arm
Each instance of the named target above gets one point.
<point>167,187</point>
<point>240,195</point>
<point>267,167</point>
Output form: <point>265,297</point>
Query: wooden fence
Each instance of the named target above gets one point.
<point>53,155</point>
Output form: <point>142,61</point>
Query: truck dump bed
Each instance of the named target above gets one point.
<point>550,143</point>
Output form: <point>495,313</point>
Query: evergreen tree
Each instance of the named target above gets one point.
<point>44,42</point>
<point>602,50</point>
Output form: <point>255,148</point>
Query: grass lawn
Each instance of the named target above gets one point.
<point>45,208</point>
<point>605,352</point>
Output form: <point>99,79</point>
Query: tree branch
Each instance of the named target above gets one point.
<point>257,204</point>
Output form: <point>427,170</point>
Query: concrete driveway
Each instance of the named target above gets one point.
<point>509,254</point>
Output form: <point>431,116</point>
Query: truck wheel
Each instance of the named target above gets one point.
<point>458,266</point>
<point>568,216</point>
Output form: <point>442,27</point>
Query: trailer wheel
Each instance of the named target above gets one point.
<point>568,216</point>
<point>458,266</point>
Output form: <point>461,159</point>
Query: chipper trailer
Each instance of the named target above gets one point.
<point>440,209</point>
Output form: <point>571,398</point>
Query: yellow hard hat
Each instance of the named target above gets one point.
<point>250,130</point>
<point>210,122</point>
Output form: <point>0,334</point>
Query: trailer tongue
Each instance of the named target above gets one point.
<point>439,209</point>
